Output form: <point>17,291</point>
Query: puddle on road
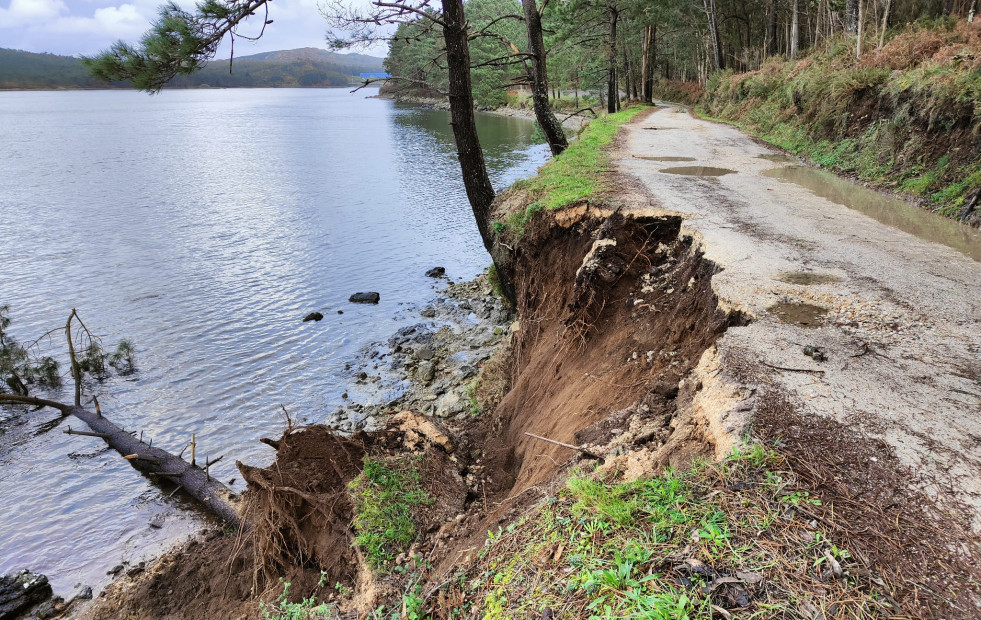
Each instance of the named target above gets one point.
<point>807,278</point>
<point>698,171</point>
<point>885,209</point>
<point>805,315</point>
<point>664,158</point>
<point>779,158</point>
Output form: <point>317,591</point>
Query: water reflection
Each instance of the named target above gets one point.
<point>885,209</point>
<point>204,225</point>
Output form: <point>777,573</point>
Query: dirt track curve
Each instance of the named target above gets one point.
<point>902,332</point>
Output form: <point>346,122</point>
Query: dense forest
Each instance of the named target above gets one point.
<point>642,41</point>
<point>307,67</point>
<point>885,90</point>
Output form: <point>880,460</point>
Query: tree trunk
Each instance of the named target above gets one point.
<point>858,39</point>
<point>851,16</point>
<point>156,463</point>
<point>647,65</point>
<point>716,43</point>
<point>794,30</point>
<point>885,23</point>
<point>612,87</point>
<point>480,191</point>
<point>550,125</point>
<point>771,28</point>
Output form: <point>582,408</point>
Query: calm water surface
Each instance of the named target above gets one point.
<point>204,225</point>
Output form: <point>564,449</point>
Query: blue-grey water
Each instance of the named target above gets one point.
<point>203,225</point>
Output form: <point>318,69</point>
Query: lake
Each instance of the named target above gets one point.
<point>203,225</point>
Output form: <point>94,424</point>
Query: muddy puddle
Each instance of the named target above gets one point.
<point>779,158</point>
<point>807,278</point>
<point>664,158</point>
<point>885,209</point>
<point>698,171</point>
<point>805,315</point>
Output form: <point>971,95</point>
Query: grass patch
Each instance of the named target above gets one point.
<point>737,535</point>
<point>386,496</point>
<point>574,176</point>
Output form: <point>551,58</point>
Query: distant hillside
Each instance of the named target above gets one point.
<point>307,67</point>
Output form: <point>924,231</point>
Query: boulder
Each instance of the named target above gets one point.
<point>436,272</point>
<point>313,316</point>
<point>20,591</point>
<point>365,298</point>
<point>425,352</point>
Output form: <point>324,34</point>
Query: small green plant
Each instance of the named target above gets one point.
<point>306,609</point>
<point>386,496</point>
<point>472,401</point>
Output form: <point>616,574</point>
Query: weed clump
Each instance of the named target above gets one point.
<point>387,495</point>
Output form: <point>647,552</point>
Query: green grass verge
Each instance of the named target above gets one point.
<point>386,496</point>
<point>737,535</point>
<point>574,176</point>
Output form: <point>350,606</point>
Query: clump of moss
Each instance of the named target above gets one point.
<point>387,495</point>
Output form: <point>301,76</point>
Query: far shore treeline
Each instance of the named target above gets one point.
<point>307,67</point>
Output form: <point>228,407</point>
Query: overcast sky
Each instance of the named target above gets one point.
<point>72,27</point>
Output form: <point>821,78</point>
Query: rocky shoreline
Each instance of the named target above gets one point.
<point>428,367</point>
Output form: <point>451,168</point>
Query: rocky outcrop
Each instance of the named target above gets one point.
<point>20,591</point>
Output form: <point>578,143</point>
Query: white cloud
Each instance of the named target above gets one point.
<point>87,26</point>
<point>27,12</point>
<point>113,22</point>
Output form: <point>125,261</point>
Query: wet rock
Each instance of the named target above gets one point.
<point>20,591</point>
<point>84,593</point>
<point>426,372</point>
<point>313,316</point>
<point>46,610</point>
<point>365,298</point>
<point>436,272</point>
<point>425,352</point>
<point>429,313</point>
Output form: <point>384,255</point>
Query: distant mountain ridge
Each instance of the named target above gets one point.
<point>371,64</point>
<point>306,67</point>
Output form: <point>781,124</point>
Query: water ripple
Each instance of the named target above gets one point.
<point>204,225</point>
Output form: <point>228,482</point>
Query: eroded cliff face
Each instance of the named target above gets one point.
<point>611,351</point>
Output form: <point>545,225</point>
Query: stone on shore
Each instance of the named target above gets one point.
<point>436,272</point>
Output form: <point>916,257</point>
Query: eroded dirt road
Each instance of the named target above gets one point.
<point>901,322</point>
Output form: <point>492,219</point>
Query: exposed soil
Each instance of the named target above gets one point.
<point>635,350</point>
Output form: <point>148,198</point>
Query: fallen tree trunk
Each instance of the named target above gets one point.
<point>156,463</point>
<point>160,464</point>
